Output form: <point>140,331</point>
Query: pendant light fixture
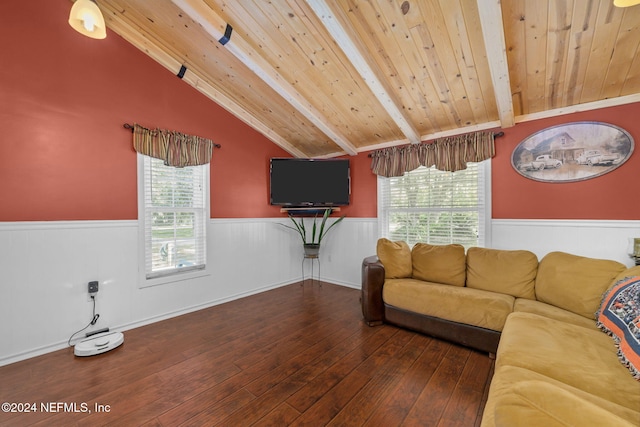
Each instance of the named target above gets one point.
<point>85,17</point>
<point>625,3</point>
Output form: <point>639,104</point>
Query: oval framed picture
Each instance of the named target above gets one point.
<point>572,152</point>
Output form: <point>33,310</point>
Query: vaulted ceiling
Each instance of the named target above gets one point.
<point>322,78</point>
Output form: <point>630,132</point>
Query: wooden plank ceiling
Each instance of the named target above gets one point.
<point>323,78</point>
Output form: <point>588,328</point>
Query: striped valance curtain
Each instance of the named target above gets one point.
<point>446,154</point>
<point>173,147</point>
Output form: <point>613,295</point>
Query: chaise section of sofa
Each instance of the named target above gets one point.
<point>552,370</point>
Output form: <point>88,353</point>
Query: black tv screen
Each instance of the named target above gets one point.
<point>309,182</point>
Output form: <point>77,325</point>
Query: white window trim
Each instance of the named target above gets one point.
<point>383,223</point>
<point>143,281</point>
<point>488,214</point>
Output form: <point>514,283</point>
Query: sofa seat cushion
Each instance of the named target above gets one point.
<point>475,307</point>
<point>538,403</point>
<point>582,358</point>
<point>575,283</point>
<point>519,396</point>
<point>552,312</point>
<point>508,272</point>
<point>444,264</point>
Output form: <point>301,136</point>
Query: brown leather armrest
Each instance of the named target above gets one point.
<point>372,282</point>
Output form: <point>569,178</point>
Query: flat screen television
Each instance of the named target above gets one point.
<point>309,182</point>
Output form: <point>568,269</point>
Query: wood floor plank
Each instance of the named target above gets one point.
<point>216,411</point>
<point>178,385</point>
<point>310,356</point>
<point>282,415</point>
<point>485,393</point>
<point>267,402</point>
<point>433,400</point>
<point>398,403</point>
<point>332,402</point>
<point>358,410</point>
<point>221,391</point>
<point>296,355</point>
<point>329,377</point>
<point>466,400</point>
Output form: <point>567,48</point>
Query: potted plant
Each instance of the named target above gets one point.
<point>312,247</point>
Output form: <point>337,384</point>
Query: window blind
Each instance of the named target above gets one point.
<point>175,211</point>
<point>432,206</point>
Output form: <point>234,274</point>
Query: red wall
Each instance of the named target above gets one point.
<point>364,190</point>
<point>611,196</point>
<point>64,154</point>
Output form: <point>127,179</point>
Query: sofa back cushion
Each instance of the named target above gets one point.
<point>439,263</point>
<point>507,272</point>
<point>395,257</point>
<point>629,272</point>
<point>575,283</point>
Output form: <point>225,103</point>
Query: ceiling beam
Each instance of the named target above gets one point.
<point>495,46</point>
<point>215,26</point>
<point>577,108</point>
<point>354,55</point>
<point>134,35</point>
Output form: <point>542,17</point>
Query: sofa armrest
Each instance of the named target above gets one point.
<point>372,282</point>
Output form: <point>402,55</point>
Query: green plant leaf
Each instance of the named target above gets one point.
<point>300,228</point>
<point>313,232</point>
<point>327,212</point>
<point>323,231</point>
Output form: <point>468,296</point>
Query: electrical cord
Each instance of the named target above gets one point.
<point>93,320</point>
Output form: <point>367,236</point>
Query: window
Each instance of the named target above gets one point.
<point>173,211</point>
<point>431,206</point>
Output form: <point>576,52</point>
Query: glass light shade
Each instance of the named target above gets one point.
<point>625,3</point>
<point>85,17</point>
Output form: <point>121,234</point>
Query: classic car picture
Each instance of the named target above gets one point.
<point>541,162</point>
<point>572,152</point>
<point>595,157</point>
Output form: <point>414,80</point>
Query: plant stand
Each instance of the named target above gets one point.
<point>311,253</point>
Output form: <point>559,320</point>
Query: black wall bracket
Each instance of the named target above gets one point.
<point>227,35</point>
<point>183,70</point>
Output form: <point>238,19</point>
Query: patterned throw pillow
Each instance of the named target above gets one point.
<point>619,317</point>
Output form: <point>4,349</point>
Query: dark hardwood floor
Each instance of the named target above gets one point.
<point>297,355</point>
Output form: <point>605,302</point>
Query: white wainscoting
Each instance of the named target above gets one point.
<point>343,250</point>
<point>45,268</point>
<point>596,239</point>
<point>44,271</point>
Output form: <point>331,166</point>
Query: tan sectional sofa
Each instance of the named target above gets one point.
<point>553,365</point>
